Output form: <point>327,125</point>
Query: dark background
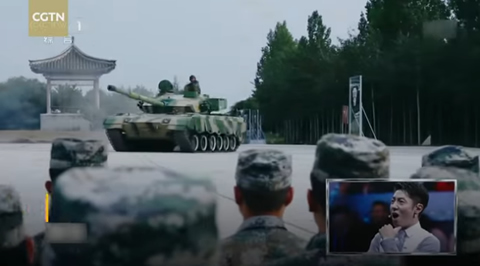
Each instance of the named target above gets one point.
<point>357,210</point>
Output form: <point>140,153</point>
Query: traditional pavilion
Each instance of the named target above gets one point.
<point>72,65</point>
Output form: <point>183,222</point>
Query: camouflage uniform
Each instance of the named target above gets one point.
<point>67,153</point>
<point>135,216</point>
<point>342,157</point>
<point>468,214</point>
<point>193,86</point>
<point>13,241</point>
<point>261,238</point>
<point>347,157</point>
<point>452,156</point>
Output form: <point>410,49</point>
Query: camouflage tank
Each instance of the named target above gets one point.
<point>172,120</point>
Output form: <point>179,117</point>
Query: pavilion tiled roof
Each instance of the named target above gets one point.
<point>72,61</point>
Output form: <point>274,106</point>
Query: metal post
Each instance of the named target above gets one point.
<point>360,92</point>
<point>49,96</point>
<point>349,108</point>
<point>97,93</point>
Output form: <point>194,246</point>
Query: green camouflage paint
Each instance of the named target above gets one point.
<point>169,114</point>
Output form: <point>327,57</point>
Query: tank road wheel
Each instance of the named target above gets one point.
<point>233,143</point>
<point>219,143</point>
<point>203,143</point>
<point>195,142</point>
<point>212,143</point>
<point>226,143</point>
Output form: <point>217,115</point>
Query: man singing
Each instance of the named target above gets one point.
<point>406,236</point>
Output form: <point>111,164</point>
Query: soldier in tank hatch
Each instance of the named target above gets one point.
<point>341,157</point>
<point>262,192</point>
<point>158,218</point>
<point>193,85</point>
<point>67,153</point>
<point>16,249</point>
<point>468,216</point>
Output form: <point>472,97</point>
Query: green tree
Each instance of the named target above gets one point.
<point>270,80</point>
<point>21,102</point>
<point>67,99</point>
<point>415,84</point>
<point>249,103</point>
<point>176,86</point>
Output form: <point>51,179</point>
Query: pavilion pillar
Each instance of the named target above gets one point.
<point>49,96</point>
<point>96,90</point>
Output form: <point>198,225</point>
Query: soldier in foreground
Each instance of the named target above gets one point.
<point>454,162</point>
<point>136,216</point>
<point>16,249</point>
<point>468,216</point>
<point>67,153</point>
<point>340,157</point>
<point>263,191</point>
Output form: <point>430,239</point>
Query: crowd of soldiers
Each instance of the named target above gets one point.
<point>156,216</point>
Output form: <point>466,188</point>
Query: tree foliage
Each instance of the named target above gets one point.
<point>415,85</point>
<point>22,101</point>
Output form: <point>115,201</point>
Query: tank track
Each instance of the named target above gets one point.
<point>188,142</point>
<point>117,140</point>
<point>120,144</point>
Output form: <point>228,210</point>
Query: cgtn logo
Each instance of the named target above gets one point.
<point>48,17</point>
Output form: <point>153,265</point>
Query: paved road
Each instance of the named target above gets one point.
<point>26,167</point>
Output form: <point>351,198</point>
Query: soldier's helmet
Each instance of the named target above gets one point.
<point>67,153</point>
<point>11,218</point>
<point>468,204</point>
<point>350,157</point>
<point>133,216</point>
<point>452,156</point>
<point>264,170</point>
<point>192,78</point>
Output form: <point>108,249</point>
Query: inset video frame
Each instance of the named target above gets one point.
<point>444,229</point>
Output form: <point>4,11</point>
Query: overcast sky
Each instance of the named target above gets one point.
<point>217,40</point>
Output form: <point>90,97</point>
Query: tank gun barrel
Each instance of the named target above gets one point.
<point>135,96</point>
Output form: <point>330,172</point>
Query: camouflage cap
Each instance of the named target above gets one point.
<point>138,216</point>
<point>264,170</point>
<point>452,156</point>
<point>350,156</point>
<point>12,231</point>
<point>468,204</point>
<point>69,152</point>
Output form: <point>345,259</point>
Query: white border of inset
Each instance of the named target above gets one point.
<point>377,180</point>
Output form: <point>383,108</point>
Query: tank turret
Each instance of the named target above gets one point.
<point>175,103</point>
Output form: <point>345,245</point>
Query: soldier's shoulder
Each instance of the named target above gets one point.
<point>306,258</point>
<point>317,257</point>
<point>318,241</point>
<point>287,237</point>
<point>382,260</point>
<point>239,249</point>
